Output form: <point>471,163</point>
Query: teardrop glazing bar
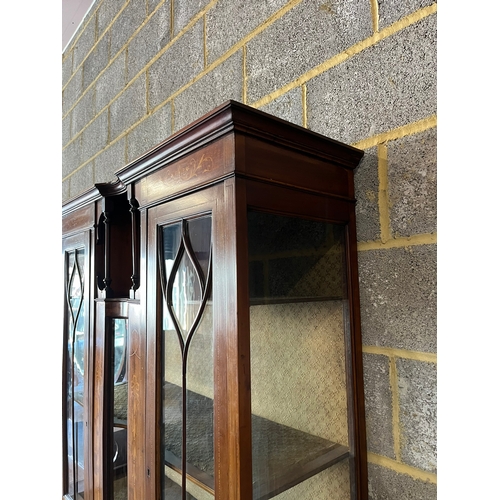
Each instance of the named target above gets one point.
<point>186,285</point>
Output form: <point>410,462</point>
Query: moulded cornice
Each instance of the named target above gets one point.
<point>235,117</point>
<point>98,191</point>
<point>80,200</point>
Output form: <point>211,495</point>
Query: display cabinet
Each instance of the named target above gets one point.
<point>220,333</point>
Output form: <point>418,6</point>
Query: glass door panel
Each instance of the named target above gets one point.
<point>75,335</point>
<point>187,383</point>
<point>298,308</point>
<point>119,332</point>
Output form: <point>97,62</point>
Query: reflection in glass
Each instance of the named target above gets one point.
<point>298,387</point>
<point>188,359</point>
<point>118,328</point>
<point>199,238</point>
<point>171,239</point>
<point>186,294</point>
<point>75,371</point>
<point>199,404</point>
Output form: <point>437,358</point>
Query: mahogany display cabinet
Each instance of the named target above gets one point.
<point>212,344</point>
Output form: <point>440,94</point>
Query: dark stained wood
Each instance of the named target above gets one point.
<point>200,133</point>
<point>187,174</point>
<point>291,201</point>
<point>256,123</point>
<point>300,471</point>
<point>135,242</point>
<point>136,404</point>
<point>100,420</point>
<point>247,142</point>
<point>262,160</point>
<point>111,189</point>
<point>234,117</point>
<point>153,466</point>
<point>222,432</point>
<point>115,266</point>
<point>90,361</point>
<point>85,199</point>
<point>355,385</point>
<point>231,317</point>
<point>79,220</point>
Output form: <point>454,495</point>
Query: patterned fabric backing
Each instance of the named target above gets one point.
<point>298,367</point>
<point>121,394</point>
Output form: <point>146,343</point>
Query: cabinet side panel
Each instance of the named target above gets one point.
<point>355,366</point>
<point>294,168</point>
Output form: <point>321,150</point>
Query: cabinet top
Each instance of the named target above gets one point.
<point>236,118</point>
<point>257,143</point>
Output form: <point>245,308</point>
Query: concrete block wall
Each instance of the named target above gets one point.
<point>363,72</point>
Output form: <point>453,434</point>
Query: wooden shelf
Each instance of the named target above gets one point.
<point>282,456</point>
<point>259,301</point>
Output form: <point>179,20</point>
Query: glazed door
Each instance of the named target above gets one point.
<point>76,349</point>
<point>181,393</point>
